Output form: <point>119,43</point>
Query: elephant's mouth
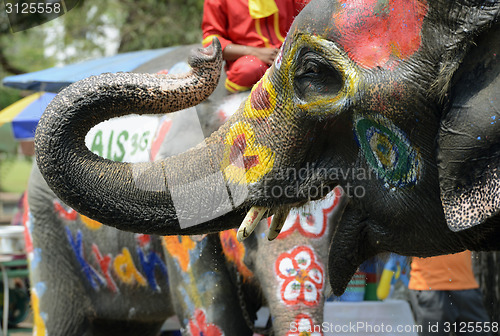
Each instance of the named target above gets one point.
<point>293,195</point>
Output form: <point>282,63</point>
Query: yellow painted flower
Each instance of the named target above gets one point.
<point>38,321</point>
<point>90,223</point>
<point>245,161</point>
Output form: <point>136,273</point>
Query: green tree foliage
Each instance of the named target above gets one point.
<point>154,24</point>
<point>144,24</point>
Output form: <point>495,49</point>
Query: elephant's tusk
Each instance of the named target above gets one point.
<point>278,222</point>
<point>251,220</point>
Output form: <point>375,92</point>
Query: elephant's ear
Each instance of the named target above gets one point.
<point>468,152</point>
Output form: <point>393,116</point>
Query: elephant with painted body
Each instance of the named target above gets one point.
<point>397,98</point>
<point>90,279</point>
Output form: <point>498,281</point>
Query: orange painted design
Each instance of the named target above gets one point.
<point>126,270</point>
<point>38,321</point>
<point>245,161</point>
<point>179,247</point>
<point>234,252</point>
<point>90,223</point>
<point>262,100</point>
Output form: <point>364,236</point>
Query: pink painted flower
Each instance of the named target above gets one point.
<point>199,327</point>
<point>304,327</point>
<point>301,276</point>
<point>311,220</point>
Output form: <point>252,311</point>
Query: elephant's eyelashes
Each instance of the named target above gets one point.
<point>315,76</point>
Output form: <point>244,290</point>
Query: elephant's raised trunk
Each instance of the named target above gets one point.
<point>161,197</point>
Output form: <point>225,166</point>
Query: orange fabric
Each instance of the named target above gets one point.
<point>446,272</point>
<point>230,22</point>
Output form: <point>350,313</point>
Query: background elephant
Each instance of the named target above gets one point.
<point>395,98</point>
<point>90,279</point>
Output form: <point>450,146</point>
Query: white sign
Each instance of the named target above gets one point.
<point>125,139</point>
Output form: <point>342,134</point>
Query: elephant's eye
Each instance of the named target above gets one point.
<point>315,76</point>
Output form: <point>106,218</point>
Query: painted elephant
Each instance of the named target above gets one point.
<point>396,100</point>
<point>87,279</point>
<point>287,276</point>
<point>90,279</point>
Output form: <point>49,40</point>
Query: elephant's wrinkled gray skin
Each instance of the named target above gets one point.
<point>90,279</point>
<point>374,95</point>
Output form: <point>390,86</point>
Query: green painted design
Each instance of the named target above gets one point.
<point>388,151</point>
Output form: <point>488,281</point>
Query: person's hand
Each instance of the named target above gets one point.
<point>266,55</point>
<point>235,51</point>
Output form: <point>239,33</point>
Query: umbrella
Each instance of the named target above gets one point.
<point>25,113</point>
<point>56,78</point>
<point>173,59</point>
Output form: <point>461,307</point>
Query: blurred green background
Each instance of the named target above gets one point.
<point>92,29</point>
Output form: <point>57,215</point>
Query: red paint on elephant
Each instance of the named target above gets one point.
<point>380,33</point>
<point>235,252</point>
<point>143,240</point>
<point>68,214</point>
<point>104,263</point>
<point>27,223</point>
<point>259,98</point>
<point>236,156</point>
<point>310,221</point>
<point>301,276</point>
<point>198,326</point>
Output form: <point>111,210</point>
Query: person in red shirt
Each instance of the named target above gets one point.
<point>251,33</point>
<point>445,296</point>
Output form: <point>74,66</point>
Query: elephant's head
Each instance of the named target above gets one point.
<point>394,100</point>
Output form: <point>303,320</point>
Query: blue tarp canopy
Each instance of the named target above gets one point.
<point>56,78</point>
<point>25,113</point>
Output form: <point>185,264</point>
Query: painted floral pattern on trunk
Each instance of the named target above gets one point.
<point>198,326</point>
<point>301,276</point>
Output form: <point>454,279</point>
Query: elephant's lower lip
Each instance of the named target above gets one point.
<point>349,249</point>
